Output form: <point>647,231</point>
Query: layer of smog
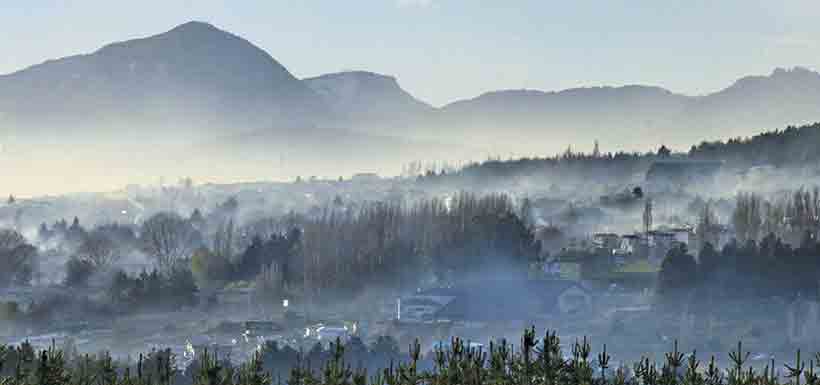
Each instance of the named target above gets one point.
<point>229,219</point>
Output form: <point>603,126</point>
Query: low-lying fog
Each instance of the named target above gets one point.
<point>631,261</point>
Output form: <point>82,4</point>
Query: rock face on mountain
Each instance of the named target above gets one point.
<point>193,76</point>
<point>363,97</point>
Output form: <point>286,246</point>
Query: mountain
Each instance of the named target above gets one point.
<point>365,98</point>
<point>630,118</point>
<point>197,82</point>
<point>196,99</point>
<point>195,78</point>
<point>536,122</point>
<point>757,103</point>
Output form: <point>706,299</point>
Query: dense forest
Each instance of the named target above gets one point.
<point>789,147</point>
<point>792,146</point>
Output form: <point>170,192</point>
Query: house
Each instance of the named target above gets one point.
<point>262,327</point>
<point>423,305</point>
<point>510,300</point>
<point>609,241</point>
<point>233,298</point>
<point>331,333</point>
<point>684,235</point>
<point>633,246</point>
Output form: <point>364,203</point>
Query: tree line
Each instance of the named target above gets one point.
<point>535,360</point>
<point>792,146</point>
<point>336,251</point>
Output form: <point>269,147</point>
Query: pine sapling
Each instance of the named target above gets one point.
<point>796,371</point>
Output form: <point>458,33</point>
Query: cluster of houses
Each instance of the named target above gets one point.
<point>618,251</point>
<point>564,286</point>
<point>652,245</point>
<point>632,259</point>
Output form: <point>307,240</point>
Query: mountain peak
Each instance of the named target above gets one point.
<point>192,70</point>
<point>194,26</point>
<point>779,77</point>
<point>198,30</point>
<point>364,95</point>
<point>183,37</point>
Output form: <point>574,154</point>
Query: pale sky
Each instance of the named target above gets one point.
<point>443,50</point>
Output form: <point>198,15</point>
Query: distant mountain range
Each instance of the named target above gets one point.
<point>634,117</point>
<point>200,86</point>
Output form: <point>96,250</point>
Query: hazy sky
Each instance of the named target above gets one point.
<point>442,50</point>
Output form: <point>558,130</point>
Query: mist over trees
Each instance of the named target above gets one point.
<point>336,252</point>
<point>440,238</point>
<point>788,215</point>
<point>767,269</point>
<point>319,243</point>
<point>169,239</point>
<point>788,150</point>
<point>774,252</point>
<point>17,259</point>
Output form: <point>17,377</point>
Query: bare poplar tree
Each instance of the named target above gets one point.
<point>99,249</point>
<point>168,238</point>
<point>9,239</point>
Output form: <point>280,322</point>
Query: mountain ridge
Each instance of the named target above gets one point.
<point>196,83</point>
<point>349,97</point>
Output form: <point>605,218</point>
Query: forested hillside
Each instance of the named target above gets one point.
<point>792,146</point>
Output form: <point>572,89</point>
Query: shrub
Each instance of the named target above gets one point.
<point>78,272</point>
<point>17,259</point>
<point>9,311</point>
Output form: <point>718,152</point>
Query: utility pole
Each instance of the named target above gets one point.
<point>647,216</point>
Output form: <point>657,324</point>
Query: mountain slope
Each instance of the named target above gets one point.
<point>757,103</point>
<point>529,121</point>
